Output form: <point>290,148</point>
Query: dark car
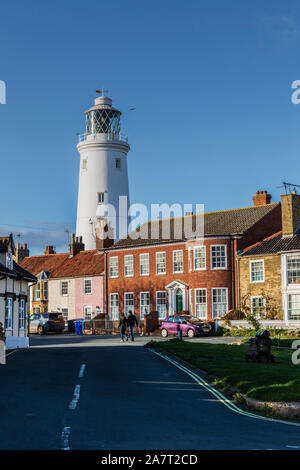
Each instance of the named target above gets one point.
<point>43,323</point>
<point>190,326</point>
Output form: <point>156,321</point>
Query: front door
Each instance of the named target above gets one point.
<point>179,302</point>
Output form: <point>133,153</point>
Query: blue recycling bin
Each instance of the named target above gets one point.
<point>77,327</point>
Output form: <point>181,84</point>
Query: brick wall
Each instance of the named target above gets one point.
<point>155,282</point>
<point>271,287</point>
<point>290,213</point>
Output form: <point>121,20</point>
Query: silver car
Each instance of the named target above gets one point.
<point>44,322</point>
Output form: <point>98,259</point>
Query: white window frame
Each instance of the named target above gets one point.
<point>84,286</point>
<point>143,306</point>
<point>22,313</point>
<point>36,288</point>
<point>211,257</point>
<point>288,305</point>
<point>129,257</point>
<point>8,325</point>
<point>161,316</point>
<point>45,283</point>
<point>118,161</point>
<point>164,262</point>
<point>113,258</point>
<point>287,257</point>
<point>84,312</point>
<point>251,262</point>
<point>114,308</point>
<point>127,306</point>
<point>213,303</point>
<point>148,264</point>
<point>173,256</point>
<point>204,317</point>
<point>251,306</point>
<point>61,288</point>
<point>202,247</point>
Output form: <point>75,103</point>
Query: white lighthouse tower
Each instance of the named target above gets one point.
<point>103,175</point>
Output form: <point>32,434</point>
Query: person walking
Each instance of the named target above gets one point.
<point>123,326</point>
<point>179,331</point>
<point>131,321</point>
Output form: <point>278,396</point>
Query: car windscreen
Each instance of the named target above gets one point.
<point>191,319</point>
<point>53,316</point>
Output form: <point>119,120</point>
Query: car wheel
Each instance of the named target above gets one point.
<point>164,333</point>
<point>191,333</point>
<point>40,330</point>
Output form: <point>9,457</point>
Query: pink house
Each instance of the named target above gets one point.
<point>89,296</point>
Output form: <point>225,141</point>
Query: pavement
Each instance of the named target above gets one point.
<point>95,393</point>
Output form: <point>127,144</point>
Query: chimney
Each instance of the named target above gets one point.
<point>290,213</point>
<point>104,234</point>
<point>21,253</point>
<point>49,250</point>
<point>76,245</point>
<point>261,198</point>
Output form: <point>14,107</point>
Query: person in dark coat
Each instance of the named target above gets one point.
<point>123,326</point>
<point>131,321</point>
<point>179,331</point>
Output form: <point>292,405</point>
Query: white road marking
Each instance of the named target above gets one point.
<point>65,438</point>
<point>81,372</point>
<point>75,399</point>
<point>221,398</point>
<point>294,447</point>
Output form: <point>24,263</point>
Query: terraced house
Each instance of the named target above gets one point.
<point>198,275</point>
<point>269,271</point>
<point>68,283</point>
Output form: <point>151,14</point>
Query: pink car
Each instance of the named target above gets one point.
<point>190,326</point>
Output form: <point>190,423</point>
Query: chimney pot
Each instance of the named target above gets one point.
<point>261,198</point>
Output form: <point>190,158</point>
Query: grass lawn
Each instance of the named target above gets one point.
<point>262,381</point>
<point>282,342</point>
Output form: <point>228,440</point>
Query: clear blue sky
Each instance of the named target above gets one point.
<point>210,80</point>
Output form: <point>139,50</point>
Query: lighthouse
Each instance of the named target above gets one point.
<point>103,191</point>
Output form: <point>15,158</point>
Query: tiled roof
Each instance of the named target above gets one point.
<point>85,263</point>
<point>17,272</point>
<point>274,245</point>
<point>228,222</point>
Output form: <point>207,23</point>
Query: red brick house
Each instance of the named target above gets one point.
<point>195,275</point>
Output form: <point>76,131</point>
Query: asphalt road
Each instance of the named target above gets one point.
<point>69,392</point>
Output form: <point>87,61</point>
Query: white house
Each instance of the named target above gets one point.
<point>14,282</point>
